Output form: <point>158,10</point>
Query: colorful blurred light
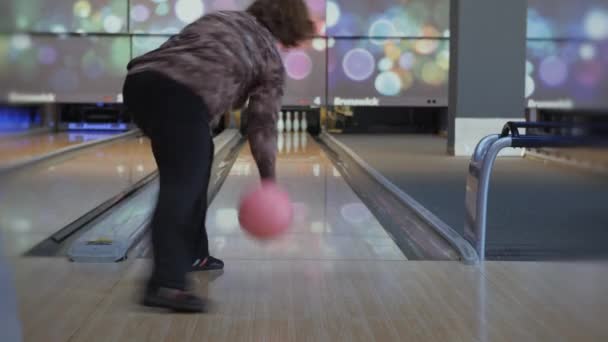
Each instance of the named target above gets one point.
<point>140,13</point>
<point>430,31</point>
<point>145,44</point>
<point>331,42</point>
<point>188,11</point>
<point>162,9</point>
<point>82,9</point>
<point>530,86</point>
<point>112,24</point>
<point>21,42</point>
<point>316,6</point>
<point>542,48</point>
<point>596,25</point>
<point>426,46</point>
<point>58,29</point>
<point>529,68</point>
<point>298,65</point>
<point>392,50</point>
<point>226,5</point>
<point>407,79</point>
<point>538,27</point>
<point>333,14</point>
<point>120,49</point>
<point>382,28</point>
<point>565,19</point>
<point>553,71</point>
<point>385,64</point>
<point>387,18</point>
<point>358,64</point>
<point>587,52</point>
<point>319,44</point>
<point>47,55</point>
<point>404,23</point>
<point>433,75</point>
<point>590,74</point>
<point>22,23</point>
<point>441,13</point>
<point>321,28</point>
<point>406,61</point>
<point>355,213</point>
<point>169,30</point>
<point>443,59</point>
<point>388,83</point>
<point>420,10</point>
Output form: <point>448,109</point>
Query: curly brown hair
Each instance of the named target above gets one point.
<point>288,20</point>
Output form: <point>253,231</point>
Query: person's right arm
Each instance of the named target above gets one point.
<point>262,110</point>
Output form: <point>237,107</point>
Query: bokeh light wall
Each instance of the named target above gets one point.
<point>306,69</point>
<point>567,59</point>
<point>586,19</point>
<point>367,67</point>
<point>388,18</point>
<point>389,72</point>
<point>567,74</point>
<point>567,19</point>
<point>59,16</point>
<point>77,50</point>
<point>170,16</point>
<point>72,69</point>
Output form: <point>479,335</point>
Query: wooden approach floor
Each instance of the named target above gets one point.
<point>317,300</point>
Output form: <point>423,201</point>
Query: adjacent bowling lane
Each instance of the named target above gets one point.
<point>39,200</point>
<point>20,148</point>
<point>331,223</point>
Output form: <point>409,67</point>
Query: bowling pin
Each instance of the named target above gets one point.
<point>296,142</point>
<point>288,122</point>
<point>280,123</point>
<point>296,122</point>
<point>304,123</point>
<point>280,142</point>
<point>288,142</point>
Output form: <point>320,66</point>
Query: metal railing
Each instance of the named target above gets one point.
<point>484,157</point>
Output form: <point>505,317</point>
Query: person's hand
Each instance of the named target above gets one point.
<point>269,181</point>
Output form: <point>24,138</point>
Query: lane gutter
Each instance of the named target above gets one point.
<point>57,242</point>
<point>464,248</point>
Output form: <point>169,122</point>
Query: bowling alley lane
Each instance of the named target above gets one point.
<point>336,276</point>
<point>21,148</point>
<point>40,200</point>
<point>331,223</point>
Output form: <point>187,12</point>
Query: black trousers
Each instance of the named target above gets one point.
<point>177,123</point>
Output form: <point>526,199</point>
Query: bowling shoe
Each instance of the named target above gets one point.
<point>173,299</point>
<point>208,264</point>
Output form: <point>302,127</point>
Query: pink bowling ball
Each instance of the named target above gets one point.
<point>266,212</point>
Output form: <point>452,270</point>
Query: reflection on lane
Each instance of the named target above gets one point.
<point>39,200</point>
<point>20,148</point>
<point>330,222</point>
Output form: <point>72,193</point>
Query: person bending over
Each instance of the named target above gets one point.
<point>177,94</point>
